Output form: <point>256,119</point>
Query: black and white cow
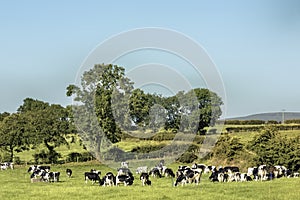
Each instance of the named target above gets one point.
<point>155,172</point>
<point>108,180</point>
<point>53,176</point>
<point>145,179</point>
<point>186,175</point>
<point>253,171</point>
<point>92,177</point>
<point>69,172</point>
<point>245,177</point>
<point>6,165</point>
<point>169,173</point>
<point>124,179</point>
<point>181,179</point>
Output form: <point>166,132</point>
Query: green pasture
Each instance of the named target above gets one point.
<point>15,184</point>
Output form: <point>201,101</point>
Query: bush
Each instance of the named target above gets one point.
<point>47,157</point>
<point>187,157</point>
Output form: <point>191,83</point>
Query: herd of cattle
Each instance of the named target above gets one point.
<point>184,174</point>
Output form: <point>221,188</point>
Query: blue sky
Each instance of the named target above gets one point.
<point>254,44</point>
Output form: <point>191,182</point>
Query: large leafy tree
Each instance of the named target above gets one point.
<point>13,137</point>
<point>45,124</point>
<point>272,148</point>
<point>102,105</point>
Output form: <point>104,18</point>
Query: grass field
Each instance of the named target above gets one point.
<point>15,184</point>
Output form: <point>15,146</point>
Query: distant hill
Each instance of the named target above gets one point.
<point>277,116</point>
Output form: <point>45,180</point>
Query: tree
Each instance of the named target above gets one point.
<point>46,124</point>
<point>272,148</point>
<point>102,107</point>
<point>13,137</point>
<point>3,115</point>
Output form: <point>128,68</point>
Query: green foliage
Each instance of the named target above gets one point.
<point>79,157</point>
<point>13,136</point>
<point>3,115</point>
<point>187,157</point>
<point>273,149</point>
<point>228,147</point>
<point>148,148</point>
<point>50,157</point>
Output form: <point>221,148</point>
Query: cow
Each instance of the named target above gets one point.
<point>181,179</point>
<point>91,176</point>
<point>108,180</point>
<point>54,176</point>
<point>6,165</point>
<point>69,172</point>
<point>155,172</point>
<point>142,169</point>
<point>145,179</point>
<point>218,176</point>
<point>245,177</point>
<point>193,176</point>
<point>124,179</point>
<point>262,172</point>
<point>37,172</point>
<point>253,171</point>
<point>169,172</point>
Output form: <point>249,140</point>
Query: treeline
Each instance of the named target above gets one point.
<point>260,122</point>
<point>108,108</point>
<point>256,128</point>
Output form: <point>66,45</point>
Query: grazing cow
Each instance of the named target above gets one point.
<point>155,172</point>
<point>169,172</point>
<point>181,179</point>
<point>6,165</point>
<point>91,176</point>
<point>109,179</point>
<point>143,169</point>
<point>262,172</point>
<point>193,176</point>
<point>219,176</point>
<point>253,171</point>
<point>245,177</point>
<point>145,179</point>
<point>125,179</point>
<point>124,165</point>
<point>54,176</point>
<point>69,172</point>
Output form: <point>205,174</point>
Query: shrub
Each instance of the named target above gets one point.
<point>187,157</point>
